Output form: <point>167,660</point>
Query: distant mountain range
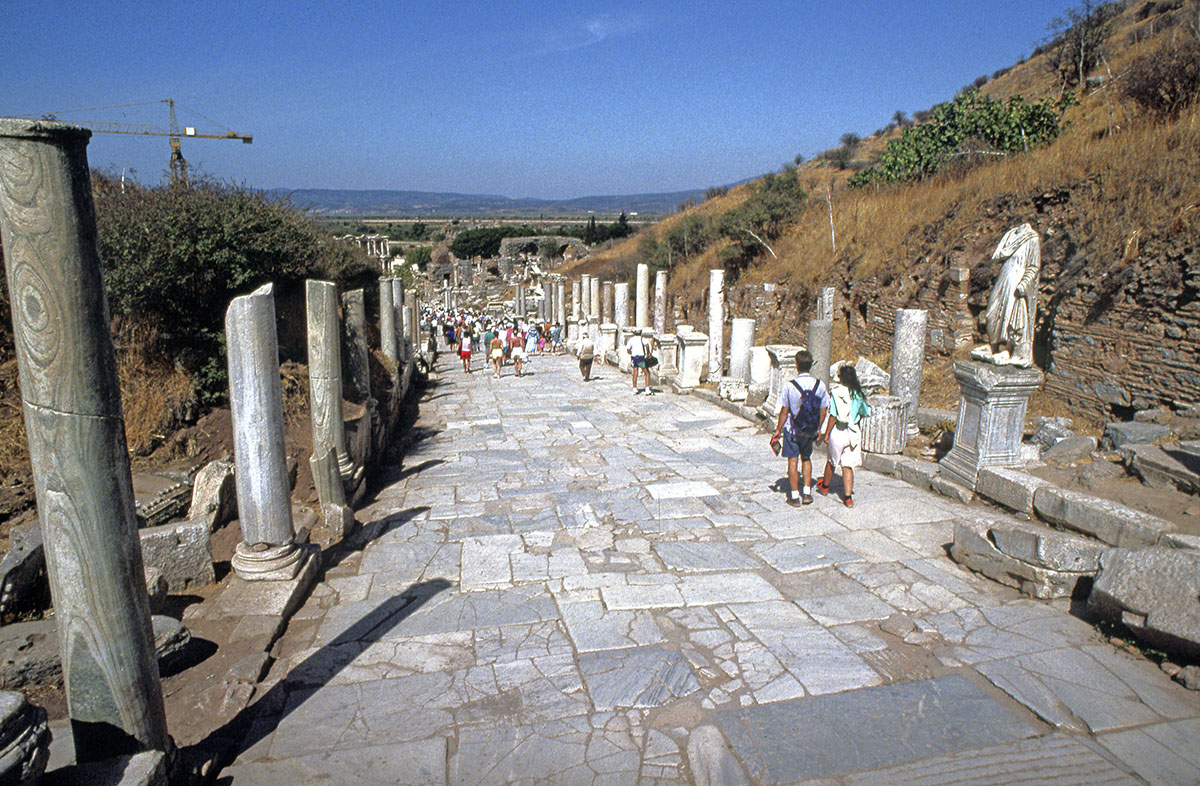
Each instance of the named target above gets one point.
<point>348,202</point>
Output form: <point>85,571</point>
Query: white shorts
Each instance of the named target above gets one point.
<point>845,448</point>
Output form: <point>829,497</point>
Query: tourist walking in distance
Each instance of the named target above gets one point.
<point>639,351</point>
<point>847,408</point>
<point>803,407</point>
<point>464,347</point>
<point>587,353</point>
<point>496,354</point>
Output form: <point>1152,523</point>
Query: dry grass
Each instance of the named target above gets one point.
<point>153,391</point>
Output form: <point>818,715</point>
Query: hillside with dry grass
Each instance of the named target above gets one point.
<point>1115,199</point>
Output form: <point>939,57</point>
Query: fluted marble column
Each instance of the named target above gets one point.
<point>641,312</point>
<point>716,323</point>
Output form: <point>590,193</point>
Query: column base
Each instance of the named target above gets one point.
<point>265,562</point>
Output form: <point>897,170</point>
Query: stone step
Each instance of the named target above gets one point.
<point>1038,561</point>
<point>1168,466</point>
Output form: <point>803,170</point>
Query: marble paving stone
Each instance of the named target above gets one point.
<point>594,628</point>
<point>642,596</point>
<point>902,588</point>
<point>417,763</point>
<point>815,657</point>
<point>770,615</point>
<point>699,557</point>
<point>1165,754</point>
<point>485,561</point>
<point>801,554</point>
<point>643,677</point>
<point>707,589</point>
<point>450,610</point>
<point>823,736</point>
<point>1054,760</point>
<point>565,752</point>
<point>873,546</point>
<point>684,489</point>
<point>840,609</point>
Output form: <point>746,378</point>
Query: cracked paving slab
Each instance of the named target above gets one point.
<point>643,677</point>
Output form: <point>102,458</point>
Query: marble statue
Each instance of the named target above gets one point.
<point>1012,305</point>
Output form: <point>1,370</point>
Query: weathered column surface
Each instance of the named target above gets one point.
<point>825,303</point>
<point>594,298</point>
<point>585,297</point>
<point>576,300</point>
<point>76,436</point>
<point>267,550</point>
<point>908,359</point>
<point>356,351</point>
<point>741,343</point>
<point>820,345</point>
<point>660,302</point>
<point>387,321</point>
<point>621,304</point>
<point>560,302</point>
<point>518,301</point>
<point>413,320</point>
<point>716,323</point>
<point>783,369</point>
<point>641,311</point>
<point>402,348</point>
<point>606,302</point>
<point>325,371</point>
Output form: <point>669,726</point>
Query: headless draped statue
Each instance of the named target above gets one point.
<point>1012,305</point>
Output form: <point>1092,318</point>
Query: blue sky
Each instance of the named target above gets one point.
<point>524,99</point>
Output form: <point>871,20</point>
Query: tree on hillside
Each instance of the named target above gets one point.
<point>850,140</point>
<point>1078,44</point>
<point>900,118</point>
<point>760,220</point>
<point>420,257</point>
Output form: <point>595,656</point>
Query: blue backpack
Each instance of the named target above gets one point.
<point>806,420</point>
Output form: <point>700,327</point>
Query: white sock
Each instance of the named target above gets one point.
<point>794,494</point>
<point>807,490</point>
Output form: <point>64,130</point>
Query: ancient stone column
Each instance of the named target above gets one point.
<point>606,302</point>
<point>387,321</point>
<point>621,304</point>
<point>402,348</point>
<point>594,296</point>
<point>820,344</point>
<point>741,343</point>
<point>641,313</point>
<point>660,302</point>
<point>413,320</point>
<point>355,351</point>
<point>908,359</point>
<point>885,430</point>
<point>716,323</point>
<point>325,371</point>
<point>267,550</point>
<point>560,302</point>
<point>518,301</point>
<point>76,434</point>
<point>576,300</point>
<point>585,297</point>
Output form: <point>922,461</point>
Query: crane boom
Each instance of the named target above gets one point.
<point>179,166</point>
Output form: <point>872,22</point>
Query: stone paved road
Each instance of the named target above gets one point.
<point>570,584</point>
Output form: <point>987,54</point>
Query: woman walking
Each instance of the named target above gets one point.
<point>464,347</point>
<point>847,408</point>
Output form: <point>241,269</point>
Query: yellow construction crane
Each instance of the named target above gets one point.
<point>179,166</point>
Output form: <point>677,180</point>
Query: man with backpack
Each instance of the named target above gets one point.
<point>803,406</point>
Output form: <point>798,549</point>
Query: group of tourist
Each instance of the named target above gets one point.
<point>809,413</point>
<point>468,332</point>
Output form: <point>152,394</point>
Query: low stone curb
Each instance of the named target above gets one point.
<point>1107,521</point>
<point>1038,561</point>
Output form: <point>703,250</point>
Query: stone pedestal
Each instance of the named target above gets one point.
<point>716,323</point>
<point>691,358</point>
<point>908,359</point>
<point>593,330</point>
<point>660,302</point>
<point>741,343</point>
<point>760,366</point>
<point>825,303</point>
<point>572,332</point>
<point>608,340</point>
<point>885,430</point>
<point>267,550</point>
<point>783,368</point>
<point>641,313</point>
<point>991,418</point>
<point>820,345</point>
<point>664,350</point>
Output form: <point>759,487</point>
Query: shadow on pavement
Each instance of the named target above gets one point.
<point>264,715</point>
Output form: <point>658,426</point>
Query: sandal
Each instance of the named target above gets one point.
<point>821,487</point>
<point>849,502</point>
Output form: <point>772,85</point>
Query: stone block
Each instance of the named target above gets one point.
<point>148,768</point>
<point>756,395</point>
<point>1103,519</point>
<point>157,589</point>
<point>214,494</point>
<point>1037,561</point>
<point>929,419</point>
<point>916,472</point>
<point>1071,448</point>
<point>1047,432</point>
<point>885,430</point>
<point>881,463</point>
<point>1009,487</point>
<point>171,637</point>
<point>1121,435</point>
<point>22,571</point>
<point>732,389</point>
<point>1171,466</point>
<point>180,552</point>
<point>872,378</point>
<point>949,488</point>
<point>24,739</point>
<point>1156,593</point>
